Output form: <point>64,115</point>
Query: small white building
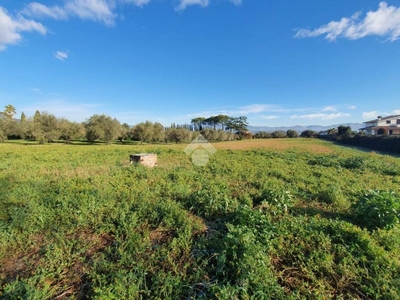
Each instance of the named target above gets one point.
<point>389,125</point>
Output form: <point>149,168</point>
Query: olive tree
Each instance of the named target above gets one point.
<point>178,135</point>
<point>102,127</point>
<point>70,130</point>
<point>49,126</point>
<point>158,132</point>
<point>143,132</point>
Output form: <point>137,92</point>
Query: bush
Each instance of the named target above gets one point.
<point>292,133</point>
<point>377,209</point>
<point>309,134</point>
<point>263,135</point>
<point>354,162</point>
<point>278,134</point>
<point>333,195</point>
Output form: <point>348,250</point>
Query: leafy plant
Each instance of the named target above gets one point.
<point>377,209</point>
<point>280,201</point>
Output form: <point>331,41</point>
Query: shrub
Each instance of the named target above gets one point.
<point>354,162</point>
<point>309,134</point>
<point>292,133</point>
<point>333,195</point>
<point>377,209</point>
<point>262,135</point>
<point>344,131</point>
<point>278,134</point>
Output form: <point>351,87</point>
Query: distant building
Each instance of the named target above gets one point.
<point>389,125</point>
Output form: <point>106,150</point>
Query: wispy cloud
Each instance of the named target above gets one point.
<point>370,114</point>
<point>321,116</point>
<point>236,2</point>
<point>11,28</point>
<point>61,108</point>
<point>269,117</point>
<point>330,108</point>
<point>259,110</point>
<point>255,109</point>
<point>185,3</point>
<point>36,90</point>
<point>385,22</point>
<point>61,55</point>
<point>36,9</point>
<point>95,10</point>
<point>103,11</point>
<point>139,3</point>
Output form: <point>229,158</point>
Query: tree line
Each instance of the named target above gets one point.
<point>45,127</point>
<point>222,122</point>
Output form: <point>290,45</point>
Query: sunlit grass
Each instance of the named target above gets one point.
<point>263,219</point>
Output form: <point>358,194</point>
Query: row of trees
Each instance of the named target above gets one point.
<point>223,122</point>
<point>42,126</point>
<point>45,127</point>
<point>288,134</point>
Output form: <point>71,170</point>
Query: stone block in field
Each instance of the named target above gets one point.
<point>146,159</point>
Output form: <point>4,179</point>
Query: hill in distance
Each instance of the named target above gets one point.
<point>301,128</point>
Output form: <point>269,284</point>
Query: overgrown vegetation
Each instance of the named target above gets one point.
<point>79,222</point>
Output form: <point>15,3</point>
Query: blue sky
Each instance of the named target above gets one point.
<point>280,62</point>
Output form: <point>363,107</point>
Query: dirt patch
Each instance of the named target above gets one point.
<point>160,236</point>
<point>21,263</point>
<point>74,280</point>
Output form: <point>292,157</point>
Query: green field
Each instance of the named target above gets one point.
<point>264,219</point>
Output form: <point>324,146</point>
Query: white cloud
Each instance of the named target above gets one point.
<point>39,10</point>
<point>383,22</point>
<point>95,10</point>
<point>330,108</point>
<point>139,3</point>
<point>61,108</point>
<point>185,3</point>
<point>236,2</point>
<point>352,107</point>
<point>61,55</point>
<point>12,27</point>
<point>309,116</point>
<point>269,117</point>
<point>370,114</point>
<point>251,109</point>
<point>254,109</point>
<point>321,116</point>
<point>335,116</point>
<point>36,90</point>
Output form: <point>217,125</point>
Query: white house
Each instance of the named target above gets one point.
<point>389,125</point>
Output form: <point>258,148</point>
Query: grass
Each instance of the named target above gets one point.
<point>263,219</point>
